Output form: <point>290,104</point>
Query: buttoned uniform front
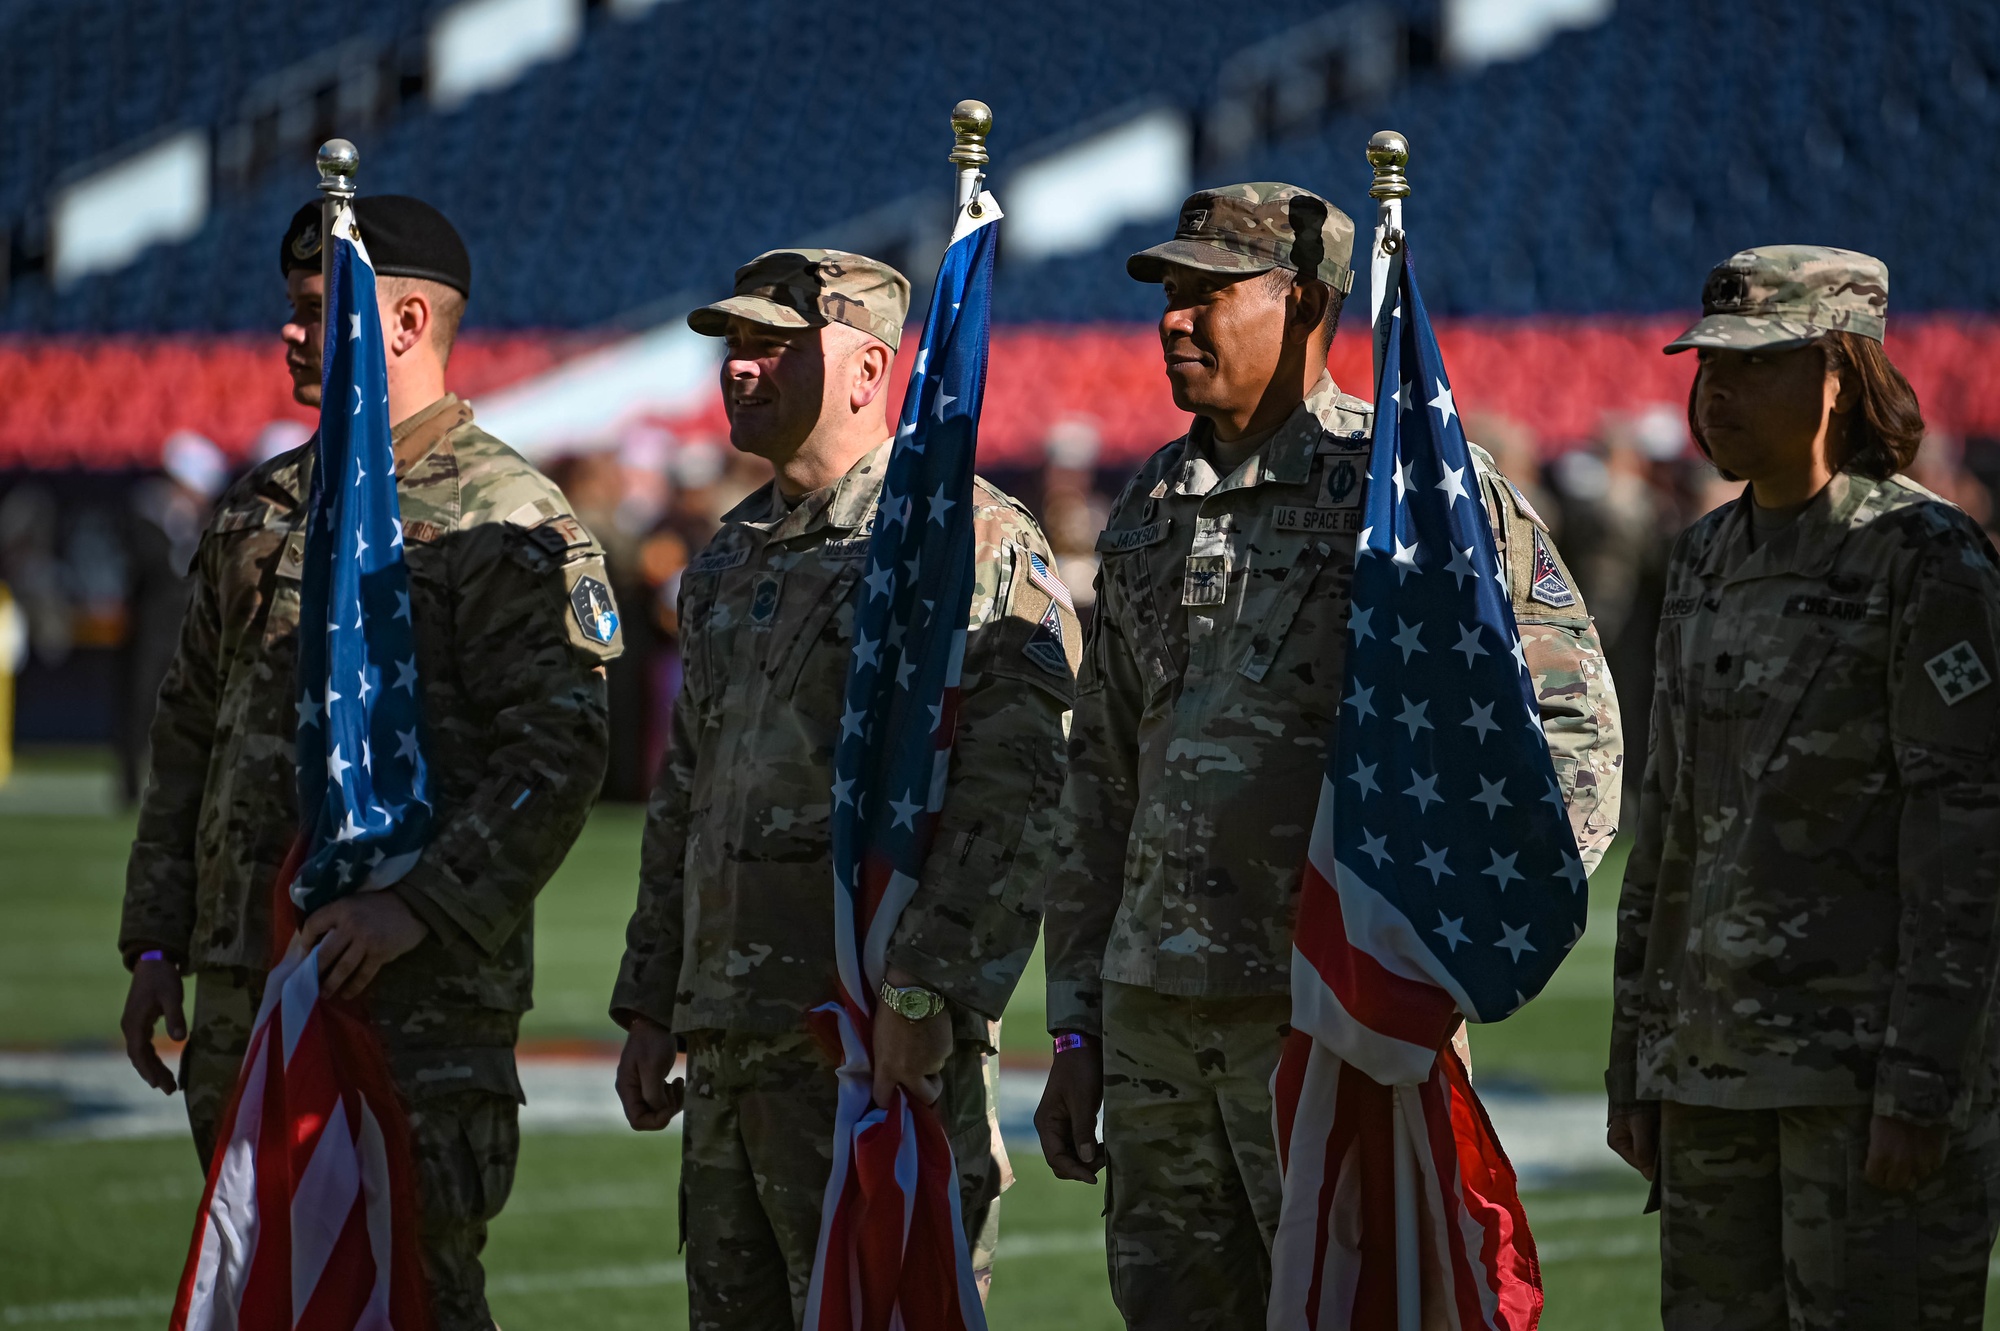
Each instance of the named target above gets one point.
<point>1806,931</point>
<point>1210,685</point>
<point>732,941</point>
<point>510,631</point>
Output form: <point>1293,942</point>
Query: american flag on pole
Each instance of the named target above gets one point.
<point>1442,879</point>
<point>309,1217</point>
<point>892,1247</point>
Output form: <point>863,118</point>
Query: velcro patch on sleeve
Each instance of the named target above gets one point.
<point>560,535</point>
<point>1957,672</point>
<point>596,613</point>
<point>1044,577</point>
<point>534,513</point>
<point>1547,584</point>
<point>1046,648</point>
<point>1524,508</point>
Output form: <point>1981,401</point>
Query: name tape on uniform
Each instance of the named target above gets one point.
<point>1324,521</point>
<point>1121,539</point>
<point>719,561</point>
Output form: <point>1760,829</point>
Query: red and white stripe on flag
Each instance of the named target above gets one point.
<point>309,1217</point>
<point>1334,1261</point>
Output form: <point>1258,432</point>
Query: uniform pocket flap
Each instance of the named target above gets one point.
<point>1797,677</point>
<point>1270,635</point>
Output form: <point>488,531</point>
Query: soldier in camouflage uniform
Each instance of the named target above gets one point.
<point>1806,937</point>
<point>732,941</point>
<point>512,623</point>
<point>1209,686</point>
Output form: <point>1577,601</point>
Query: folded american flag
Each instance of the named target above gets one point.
<point>309,1217</point>
<point>892,1248</point>
<point>1442,879</point>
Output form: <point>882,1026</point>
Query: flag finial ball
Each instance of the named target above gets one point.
<point>339,162</point>
<point>1389,153</point>
<point>971,122</point>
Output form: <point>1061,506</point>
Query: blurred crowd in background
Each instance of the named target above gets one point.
<point>96,565</point>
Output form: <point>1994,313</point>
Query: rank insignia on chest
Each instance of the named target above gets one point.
<point>1957,673</point>
<point>1342,488</point>
<point>1206,581</point>
<point>1046,647</point>
<point>1547,583</point>
<point>595,613</point>
<point>764,600</point>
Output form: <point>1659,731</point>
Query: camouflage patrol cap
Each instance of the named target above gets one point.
<point>801,288</point>
<point>1780,296</point>
<point>1254,228</point>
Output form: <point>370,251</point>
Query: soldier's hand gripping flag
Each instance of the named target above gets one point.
<point>1442,880</point>
<point>309,1217</point>
<point>892,1248</point>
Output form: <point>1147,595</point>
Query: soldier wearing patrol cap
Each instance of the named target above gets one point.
<point>1209,683</point>
<point>513,623</point>
<point>732,941</point>
<point>1803,1052</point>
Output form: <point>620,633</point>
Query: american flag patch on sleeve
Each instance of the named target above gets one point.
<point>1045,577</point>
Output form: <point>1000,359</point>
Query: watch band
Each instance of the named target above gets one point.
<point>1069,1040</point>
<point>911,1002</point>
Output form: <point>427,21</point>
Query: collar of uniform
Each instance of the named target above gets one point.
<point>1284,459</point>
<point>415,437</point>
<point>845,504</point>
<point>1808,547</point>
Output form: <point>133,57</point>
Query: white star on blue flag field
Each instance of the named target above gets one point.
<point>910,619</point>
<point>1447,804</point>
<point>363,786</point>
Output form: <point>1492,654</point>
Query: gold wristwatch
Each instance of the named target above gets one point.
<point>914,1003</point>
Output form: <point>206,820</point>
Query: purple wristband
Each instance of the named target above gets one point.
<point>154,955</point>
<point>1069,1040</point>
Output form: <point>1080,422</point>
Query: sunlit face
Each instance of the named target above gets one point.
<point>301,333</point>
<point>1760,412</point>
<point>1223,335</point>
<point>773,386</point>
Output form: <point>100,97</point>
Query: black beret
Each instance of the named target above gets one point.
<point>405,237</point>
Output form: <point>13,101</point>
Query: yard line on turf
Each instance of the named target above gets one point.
<point>647,1275</point>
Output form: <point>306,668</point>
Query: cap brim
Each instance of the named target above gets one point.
<point>1151,265</point>
<point>713,320</point>
<point>1746,332</point>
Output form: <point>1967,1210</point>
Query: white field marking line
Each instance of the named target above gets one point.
<point>648,1275</point>
<point>1598,1250</point>
<point>1600,1206</point>
<point>90,1310</point>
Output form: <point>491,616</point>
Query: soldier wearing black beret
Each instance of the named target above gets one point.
<point>513,619</point>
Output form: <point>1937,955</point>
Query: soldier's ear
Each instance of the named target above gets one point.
<point>870,366</point>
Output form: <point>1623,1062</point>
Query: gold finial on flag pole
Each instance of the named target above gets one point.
<point>1388,154</point>
<point>971,122</point>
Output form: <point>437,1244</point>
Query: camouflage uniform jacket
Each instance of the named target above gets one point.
<point>1209,687</point>
<point>515,729</point>
<point>1808,915</point>
<point>734,926</point>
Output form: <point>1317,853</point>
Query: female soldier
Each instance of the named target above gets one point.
<point>1806,936</point>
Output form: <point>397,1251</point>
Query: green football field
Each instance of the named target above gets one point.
<point>93,1233</point>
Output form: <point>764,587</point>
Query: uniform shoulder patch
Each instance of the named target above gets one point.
<point>1957,672</point>
<point>1524,508</point>
<point>596,613</point>
<point>560,535</point>
<point>534,513</point>
<point>1547,584</point>
<point>1044,577</point>
<point>1046,647</point>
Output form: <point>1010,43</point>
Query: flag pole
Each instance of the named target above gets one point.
<point>1389,154</point>
<point>339,162</point>
<point>971,122</point>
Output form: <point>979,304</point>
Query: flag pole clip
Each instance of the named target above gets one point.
<point>971,122</point>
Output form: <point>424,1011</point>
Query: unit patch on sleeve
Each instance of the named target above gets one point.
<point>1044,577</point>
<point>1547,584</point>
<point>1046,648</point>
<point>595,612</point>
<point>1957,673</point>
